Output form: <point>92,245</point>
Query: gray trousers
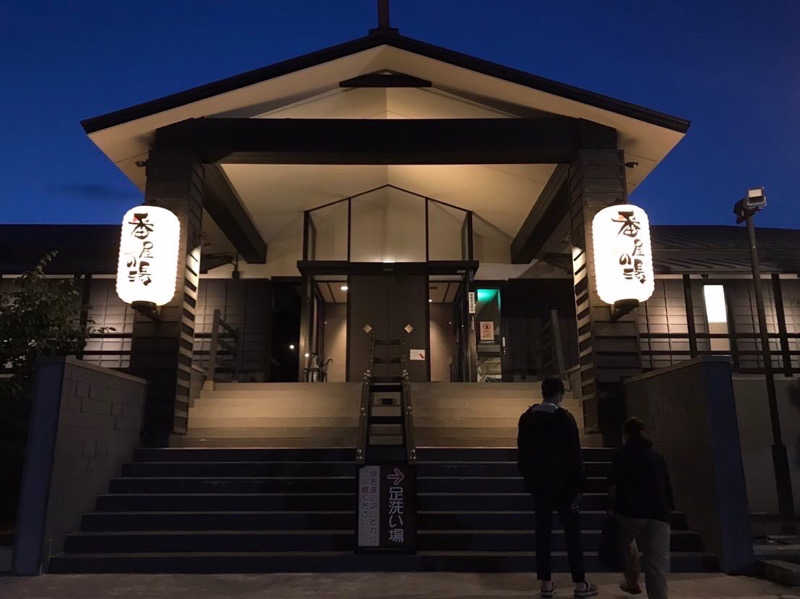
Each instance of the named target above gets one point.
<point>652,539</point>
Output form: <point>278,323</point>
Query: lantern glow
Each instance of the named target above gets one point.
<point>623,257</point>
<point>148,256</point>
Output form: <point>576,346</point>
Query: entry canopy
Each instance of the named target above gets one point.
<point>387,76</point>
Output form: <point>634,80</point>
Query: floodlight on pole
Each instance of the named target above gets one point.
<point>745,209</point>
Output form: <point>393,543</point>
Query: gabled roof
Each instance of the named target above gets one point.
<point>387,38</point>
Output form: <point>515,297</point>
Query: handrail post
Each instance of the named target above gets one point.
<point>212,353</point>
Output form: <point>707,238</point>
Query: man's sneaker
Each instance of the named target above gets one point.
<point>585,589</point>
<point>548,589</point>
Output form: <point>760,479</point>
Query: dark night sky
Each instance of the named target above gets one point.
<point>732,68</point>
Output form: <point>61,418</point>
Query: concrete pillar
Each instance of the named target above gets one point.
<point>161,350</point>
<point>608,350</point>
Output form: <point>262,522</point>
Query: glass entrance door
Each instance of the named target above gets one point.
<point>489,336</point>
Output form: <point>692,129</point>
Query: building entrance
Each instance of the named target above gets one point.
<point>394,308</point>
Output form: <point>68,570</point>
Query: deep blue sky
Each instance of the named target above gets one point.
<point>731,67</point>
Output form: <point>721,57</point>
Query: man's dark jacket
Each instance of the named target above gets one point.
<point>642,483</point>
<point>550,457</point>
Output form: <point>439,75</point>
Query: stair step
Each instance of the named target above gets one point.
<point>495,501</point>
<point>513,520</point>
<point>525,540</point>
<point>225,501</point>
<point>508,454</point>
<point>204,541</point>
<point>492,468</point>
<point>206,454</point>
<point>341,561</point>
<point>233,484</point>
<point>244,468</point>
<point>490,484</point>
<point>241,520</point>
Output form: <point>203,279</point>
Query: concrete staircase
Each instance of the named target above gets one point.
<point>300,415</point>
<point>293,510</point>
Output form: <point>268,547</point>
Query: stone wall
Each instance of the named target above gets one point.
<point>690,413</point>
<point>85,423</point>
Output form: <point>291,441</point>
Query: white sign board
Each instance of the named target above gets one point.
<point>416,354</point>
<point>623,257</point>
<point>368,506</point>
<point>148,255</point>
<point>487,330</point>
<point>471,302</point>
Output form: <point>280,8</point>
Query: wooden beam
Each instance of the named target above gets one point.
<point>223,204</point>
<point>549,209</point>
<point>690,324</point>
<point>547,140</point>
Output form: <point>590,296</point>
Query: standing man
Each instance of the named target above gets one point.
<point>642,499</point>
<point>551,462</point>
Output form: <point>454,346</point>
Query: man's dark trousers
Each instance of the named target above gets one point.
<point>570,520</point>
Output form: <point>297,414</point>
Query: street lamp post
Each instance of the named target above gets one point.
<point>745,209</point>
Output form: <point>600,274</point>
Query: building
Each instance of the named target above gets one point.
<point>357,196</point>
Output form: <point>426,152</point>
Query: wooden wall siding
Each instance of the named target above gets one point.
<point>161,351</point>
<point>608,351</point>
<point>112,348</point>
<point>791,310</point>
<point>663,327</point>
<point>246,305</point>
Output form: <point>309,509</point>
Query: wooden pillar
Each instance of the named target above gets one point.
<point>161,350</point>
<point>608,350</point>
<point>780,315</point>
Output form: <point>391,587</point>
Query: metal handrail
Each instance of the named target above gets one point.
<point>218,328</point>
<point>363,419</point>
<point>407,405</point>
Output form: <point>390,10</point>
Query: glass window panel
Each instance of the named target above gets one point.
<point>445,225</point>
<point>388,226</point>
<point>329,233</point>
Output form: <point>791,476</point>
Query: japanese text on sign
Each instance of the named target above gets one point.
<point>148,255</point>
<point>622,254</point>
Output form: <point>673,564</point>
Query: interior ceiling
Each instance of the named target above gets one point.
<point>275,195</point>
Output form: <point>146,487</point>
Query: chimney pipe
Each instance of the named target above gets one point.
<point>383,14</point>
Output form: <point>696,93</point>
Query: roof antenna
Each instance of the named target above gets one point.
<point>383,19</point>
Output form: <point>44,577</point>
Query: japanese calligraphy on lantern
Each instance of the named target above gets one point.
<point>623,258</point>
<point>148,255</point>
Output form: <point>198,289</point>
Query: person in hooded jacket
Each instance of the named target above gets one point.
<point>641,496</point>
<point>551,462</point>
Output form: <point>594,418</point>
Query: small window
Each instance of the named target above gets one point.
<point>717,316</point>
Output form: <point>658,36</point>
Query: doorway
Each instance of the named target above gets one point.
<point>392,306</point>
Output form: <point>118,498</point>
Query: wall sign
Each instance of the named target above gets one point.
<point>471,302</point>
<point>487,330</point>
<point>387,507</point>
<point>623,257</point>
<point>416,354</point>
<point>148,255</point>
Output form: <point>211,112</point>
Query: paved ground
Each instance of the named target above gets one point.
<point>356,586</point>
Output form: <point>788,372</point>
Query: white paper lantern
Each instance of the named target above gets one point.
<point>623,257</point>
<point>148,255</point>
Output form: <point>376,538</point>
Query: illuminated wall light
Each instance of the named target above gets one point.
<point>147,268</point>
<point>716,311</point>
<point>343,288</point>
<point>623,257</point>
<point>291,346</point>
